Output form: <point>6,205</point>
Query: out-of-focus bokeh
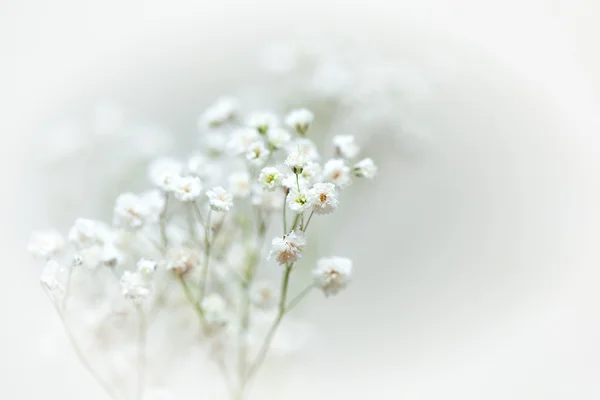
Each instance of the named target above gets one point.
<point>475,250</point>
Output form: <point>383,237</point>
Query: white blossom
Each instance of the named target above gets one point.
<point>187,188</point>
<point>46,243</point>
<point>239,184</point>
<point>296,160</point>
<point>223,110</point>
<point>146,268</point>
<point>215,310</point>
<point>291,181</point>
<point>263,296</point>
<point>300,120</point>
<point>54,277</point>
<point>345,146</point>
<point>154,204</point>
<point>270,178</point>
<point>112,256</point>
<point>198,165</point>
<point>277,138</point>
<point>131,211</point>
<point>241,139</point>
<point>135,287</point>
<point>305,145</point>
<point>266,199</point>
<point>262,121</point>
<point>287,248</point>
<point>181,259</point>
<point>163,172</point>
<point>332,274</point>
<point>311,172</point>
<point>215,142</point>
<point>338,172</point>
<point>297,200</point>
<point>220,199</point>
<point>322,197</point>
<point>85,232</point>
<point>257,154</point>
<point>365,168</point>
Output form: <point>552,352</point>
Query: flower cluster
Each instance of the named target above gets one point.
<point>202,227</point>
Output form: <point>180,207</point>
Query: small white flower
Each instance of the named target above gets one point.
<point>270,178</point>
<point>365,168</point>
<point>54,277</point>
<point>289,182</point>
<point>135,287</point>
<point>239,184</point>
<point>332,274</point>
<point>146,268</point>
<point>262,121</point>
<point>214,142</point>
<point>111,256</point>
<point>288,248</point>
<point>322,197</point>
<point>181,259</point>
<point>263,296</point>
<point>267,200</point>
<point>241,139</point>
<point>163,172</point>
<point>215,310</point>
<point>257,154</point>
<point>154,204</point>
<point>278,138</point>
<point>224,110</point>
<point>130,211</point>
<point>305,145</point>
<point>337,171</point>
<point>85,232</point>
<point>345,146</point>
<point>296,160</point>
<point>46,243</point>
<point>199,166</point>
<point>297,200</point>
<point>219,199</point>
<point>187,188</point>
<point>312,172</point>
<point>300,120</point>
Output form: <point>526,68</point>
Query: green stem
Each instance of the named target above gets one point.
<point>190,297</point>
<point>141,353</point>
<point>308,222</point>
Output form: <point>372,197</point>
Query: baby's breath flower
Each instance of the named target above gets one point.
<point>337,171</point>
<point>277,138</point>
<point>239,184</point>
<point>262,121</point>
<point>287,248</point>
<point>332,274</point>
<point>267,200</point>
<point>215,310</point>
<point>181,259</point>
<point>154,203</point>
<point>219,199</point>
<point>46,243</point>
<point>112,256</point>
<point>85,232</point>
<point>135,287</point>
<point>305,145</point>
<point>296,160</point>
<point>297,200</point>
<point>146,268</point>
<point>54,278</point>
<point>257,154</point>
<point>214,142</point>
<point>187,188</point>
<point>300,120</point>
<point>270,178</point>
<point>130,211</point>
<point>263,296</point>
<point>365,168</point>
<point>163,172</point>
<point>345,146</point>
<point>292,181</point>
<point>322,197</point>
<point>222,111</point>
<point>311,172</point>
<point>198,166</point>
<point>241,139</point>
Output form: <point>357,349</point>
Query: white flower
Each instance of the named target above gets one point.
<point>267,200</point>
<point>311,172</point>
<point>146,268</point>
<point>239,184</point>
<point>130,211</point>
<point>300,120</point>
<point>135,287</point>
<point>365,168</point>
<point>46,243</point>
<point>296,160</point>
<point>305,145</point>
<point>199,166</point>
<point>345,146</point>
<point>332,274</point>
<point>263,296</point>
<point>241,139</point>
<point>278,138</point>
<point>322,197</point>
<point>337,171</point>
<point>270,178</point>
<point>224,110</point>
<point>85,232</point>
<point>297,200</point>
<point>257,154</point>
<point>215,310</point>
<point>187,188</point>
<point>288,248</point>
<point>219,199</point>
<point>289,182</point>
<point>163,172</point>
<point>111,256</point>
<point>262,121</point>
<point>181,260</point>
<point>154,204</point>
<point>54,277</point>
<point>214,142</point>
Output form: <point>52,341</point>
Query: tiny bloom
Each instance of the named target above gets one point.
<point>270,178</point>
<point>332,274</point>
<point>264,296</point>
<point>214,142</point>
<point>296,160</point>
<point>311,172</point>
<point>163,172</point>
<point>365,168</point>
<point>111,256</point>
<point>297,200</point>
<point>222,111</point>
<point>135,287</point>
<point>54,277</point>
<point>85,232</point>
<point>219,199</point>
<point>267,200</point>
<point>262,121</point>
<point>130,211</point>
<point>181,260</point>
<point>187,188</point>
<point>257,154</point>
<point>46,243</point>
<point>322,197</point>
<point>288,248</point>
<point>305,145</point>
<point>336,171</point>
<point>239,184</point>
<point>76,260</point>
<point>198,166</point>
<point>215,310</point>
<point>277,138</point>
<point>300,120</point>
<point>146,268</point>
<point>293,181</point>
<point>241,139</point>
<point>345,146</point>
<point>154,203</point>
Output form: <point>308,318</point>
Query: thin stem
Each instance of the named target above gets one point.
<point>297,182</point>
<point>284,216</point>
<point>296,300</point>
<point>295,221</point>
<point>142,331</point>
<point>163,223</point>
<point>190,297</point>
<point>308,222</point>
<point>207,243</point>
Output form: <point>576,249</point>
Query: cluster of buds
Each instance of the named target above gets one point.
<point>203,227</point>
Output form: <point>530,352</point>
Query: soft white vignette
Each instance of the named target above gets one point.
<point>491,291</point>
